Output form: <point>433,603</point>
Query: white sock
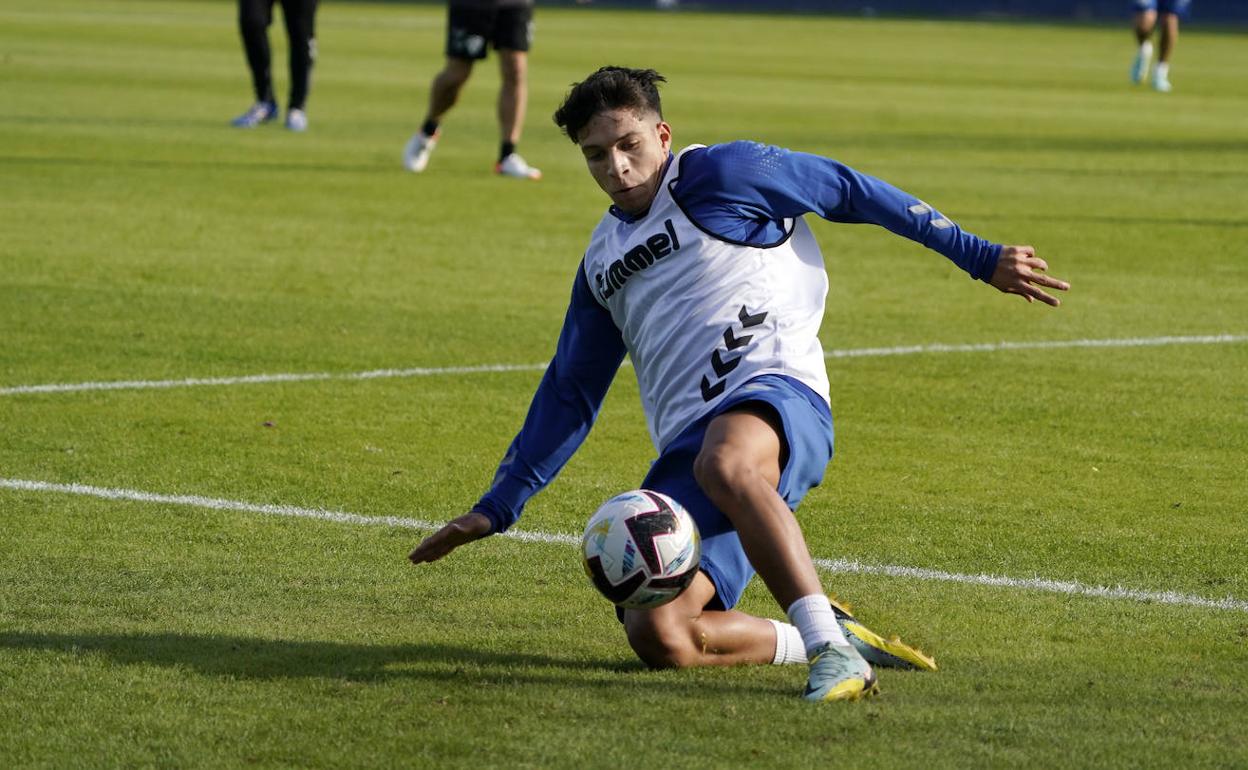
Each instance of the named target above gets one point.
<point>789,647</point>
<point>816,622</point>
<point>1163,70</point>
<point>1146,50</point>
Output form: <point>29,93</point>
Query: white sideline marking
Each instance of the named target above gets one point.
<point>992,347</point>
<point>830,565</point>
<point>902,350</point>
<point>254,379</point>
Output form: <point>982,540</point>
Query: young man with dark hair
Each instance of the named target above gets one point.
<point>1147,15</point>
<point>473,26</point>
<point>704,273</point>
<point>254,18</point>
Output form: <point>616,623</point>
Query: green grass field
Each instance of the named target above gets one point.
<point>141,239</point>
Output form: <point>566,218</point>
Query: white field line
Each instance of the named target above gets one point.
<point>903,350</point>
<point>829,565</point>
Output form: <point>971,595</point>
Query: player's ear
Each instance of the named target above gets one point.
<point>665,135</point>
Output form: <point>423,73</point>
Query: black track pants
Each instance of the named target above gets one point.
<point>254,18</point>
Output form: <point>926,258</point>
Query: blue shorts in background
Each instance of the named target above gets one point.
<point>1177,7</point>
<point>808,437</point>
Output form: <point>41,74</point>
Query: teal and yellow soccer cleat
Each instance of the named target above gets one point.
<point>875,649</point>
<point>838,672</point>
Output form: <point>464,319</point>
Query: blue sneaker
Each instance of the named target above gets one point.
<point>260,112</point>
<point>838,672</point>
<point>875,649</point>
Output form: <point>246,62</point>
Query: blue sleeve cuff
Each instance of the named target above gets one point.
<point>504,503</point>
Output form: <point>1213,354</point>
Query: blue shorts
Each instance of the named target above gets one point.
<point>807,436</point>
<point>1177,7</point>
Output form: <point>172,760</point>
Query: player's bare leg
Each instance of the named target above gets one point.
<point>682,633</point>
<point>738,468</point>
<point>446,86</point>
<point>513,95</point>
<point>1169,23</point>
<point>513,98</point>
<point>443,93</point>
<point>1145,22</point>
<point>1169,34</point>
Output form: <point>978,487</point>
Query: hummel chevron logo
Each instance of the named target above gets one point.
<point>748,320</point>
<point>721,366</point>
<point>732,342</point>
<point>710,391</point>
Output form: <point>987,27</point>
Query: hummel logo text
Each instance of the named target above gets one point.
<point>636,259</point>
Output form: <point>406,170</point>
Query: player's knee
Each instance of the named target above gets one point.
<point>719,469</point>
<point>662,645</point>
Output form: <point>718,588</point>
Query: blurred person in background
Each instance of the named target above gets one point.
<point>254,18</point>
<point>1148,14</point>
<point>472,27</point>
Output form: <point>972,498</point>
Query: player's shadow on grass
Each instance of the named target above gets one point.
<point>237,657</point>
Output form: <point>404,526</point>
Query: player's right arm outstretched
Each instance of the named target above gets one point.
<point>740,189</point>
<point>563,409</point>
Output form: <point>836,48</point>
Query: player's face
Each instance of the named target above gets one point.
<point>625,152</point>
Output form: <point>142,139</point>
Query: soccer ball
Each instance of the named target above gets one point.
<point>641,549</point>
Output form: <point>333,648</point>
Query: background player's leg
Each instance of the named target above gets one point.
<point>1169,23</point>
<point>254,17</point>
<point>1145,21</point>
<point>444,91</point>
<point>513,95</point>
<point>301,32</point>
<point>682,633</point>
<point>1169,34</point>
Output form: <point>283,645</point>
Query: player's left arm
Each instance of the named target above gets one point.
<point>1020,271</point>
<point>758,182</point>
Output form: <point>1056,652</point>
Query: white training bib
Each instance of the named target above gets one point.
<point>701,316</point>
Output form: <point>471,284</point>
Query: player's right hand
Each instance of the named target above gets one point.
<point>471,526</point>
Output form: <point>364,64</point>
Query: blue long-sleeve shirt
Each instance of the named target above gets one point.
<point>742,193</point>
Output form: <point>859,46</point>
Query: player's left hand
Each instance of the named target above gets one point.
<point>1020,271</point>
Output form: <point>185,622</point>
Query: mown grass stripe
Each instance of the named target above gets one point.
<point>901,350</point>
<point>829,565</point>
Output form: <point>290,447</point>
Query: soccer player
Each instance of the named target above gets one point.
<point>1148,12</point>
<point>254,18</point>
<point>704,272</point>
<point>473,26</point>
